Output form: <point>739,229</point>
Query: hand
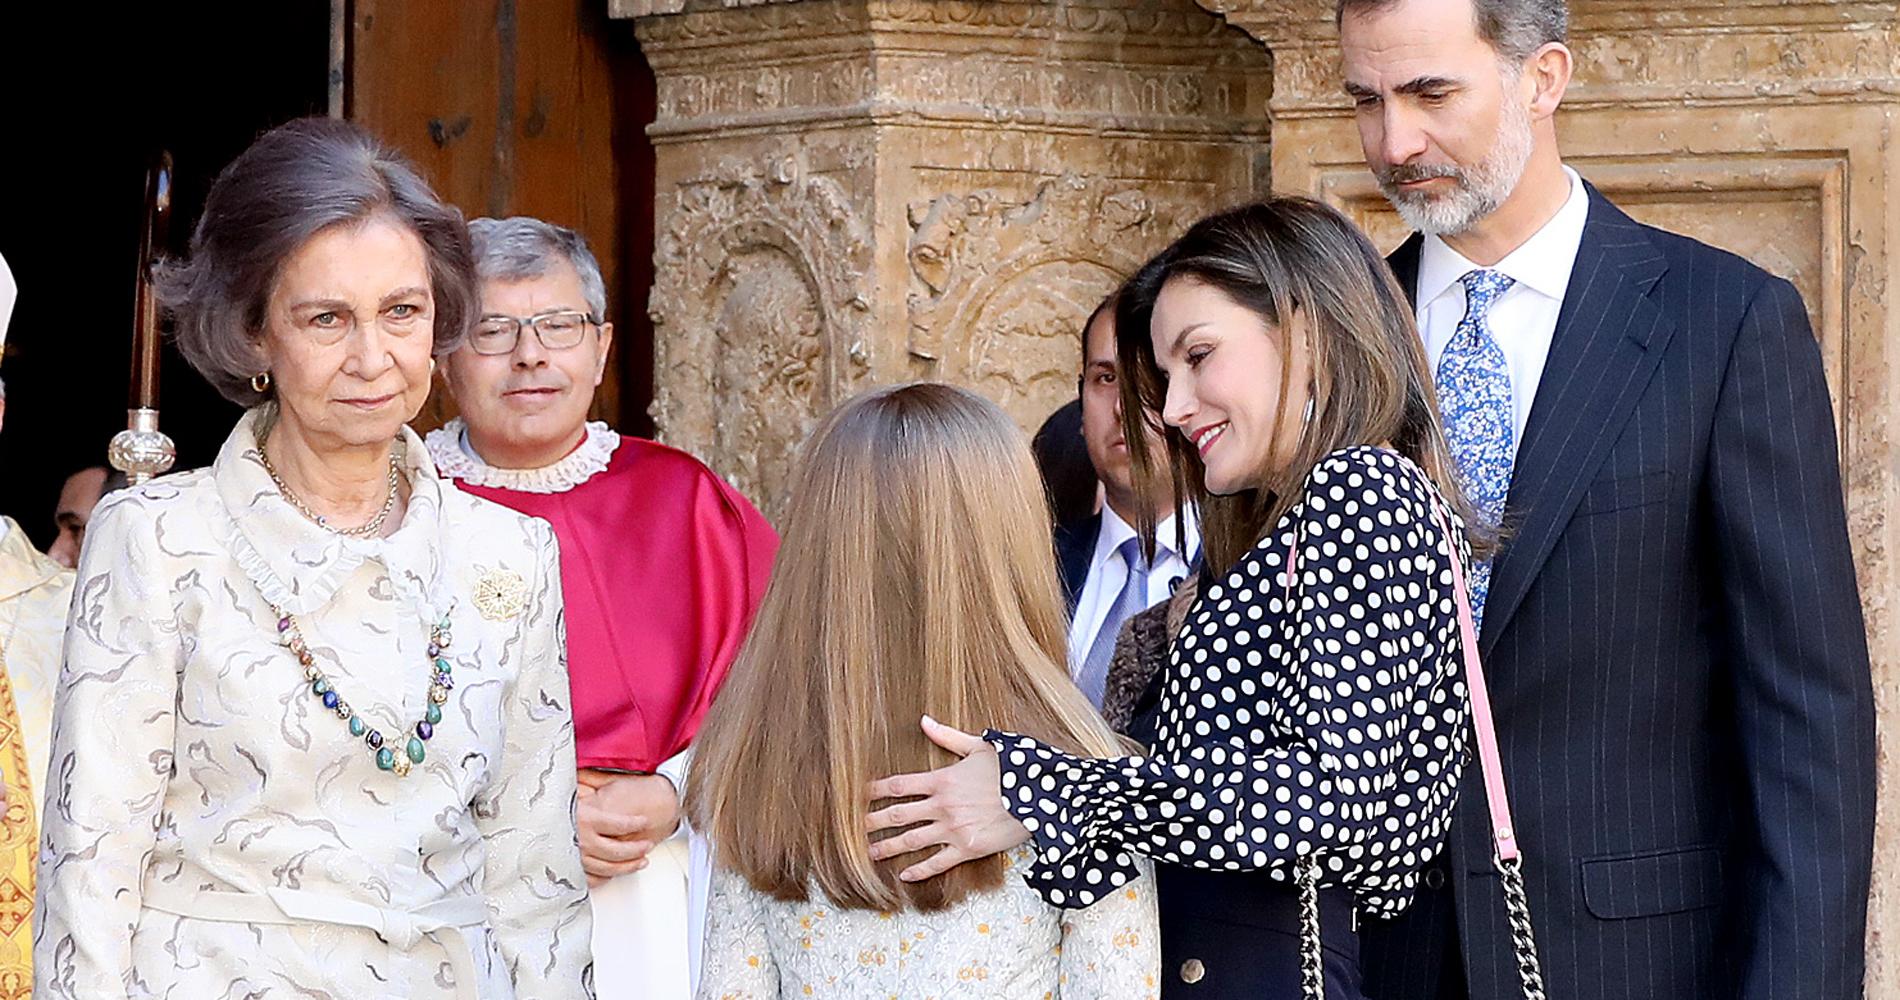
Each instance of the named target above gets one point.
<point>621,818</point>
<point>960,811</point>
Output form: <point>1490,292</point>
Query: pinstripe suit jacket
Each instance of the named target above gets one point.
<point>1676,653</point>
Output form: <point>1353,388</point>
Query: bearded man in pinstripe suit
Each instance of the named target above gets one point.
<point>1672,627</point>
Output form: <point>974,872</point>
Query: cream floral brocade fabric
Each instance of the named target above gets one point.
<point>35,593</point>
<point>189,752</point>
<point>1001,945</point>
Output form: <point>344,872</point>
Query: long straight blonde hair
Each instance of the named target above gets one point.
<point>915,575</point>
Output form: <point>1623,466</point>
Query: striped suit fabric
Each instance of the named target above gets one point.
<point>1677,657</point>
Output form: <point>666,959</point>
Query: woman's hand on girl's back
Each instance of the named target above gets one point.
<point>958,808</point>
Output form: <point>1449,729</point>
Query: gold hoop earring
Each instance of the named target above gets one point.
<point>260,383</point>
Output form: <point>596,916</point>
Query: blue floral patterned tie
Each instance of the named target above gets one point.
<point>1474,395</point>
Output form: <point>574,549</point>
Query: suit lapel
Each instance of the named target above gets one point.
<point>1404,264</point>
<point>1075,543</point>
<point>1609,339</point>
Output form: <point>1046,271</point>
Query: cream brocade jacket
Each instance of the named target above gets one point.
<point>35,594</point>
<point>190,754</point>
<point>1005,944</point>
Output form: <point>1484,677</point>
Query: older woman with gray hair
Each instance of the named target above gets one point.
<point>313,734</point>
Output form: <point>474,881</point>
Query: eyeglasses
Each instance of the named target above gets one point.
<point>558,331</point>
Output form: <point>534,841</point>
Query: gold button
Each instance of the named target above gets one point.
<point>1192,971</point>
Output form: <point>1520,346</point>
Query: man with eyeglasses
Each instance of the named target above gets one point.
<point>662,565</point>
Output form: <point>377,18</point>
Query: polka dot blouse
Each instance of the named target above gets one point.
<point>1321,716</point>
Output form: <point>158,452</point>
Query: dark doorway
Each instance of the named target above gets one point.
<point>508,107</point>
<point>91,94</point>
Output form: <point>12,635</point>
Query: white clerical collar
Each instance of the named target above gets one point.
<point>453,455</point>
<point>1542,263</point>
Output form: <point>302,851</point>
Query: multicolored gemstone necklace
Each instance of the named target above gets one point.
<point>387,757</point>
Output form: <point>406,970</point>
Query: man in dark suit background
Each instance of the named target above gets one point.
<point>1062,459</point>
<point>1104,575</point>
<point>1672,628</point>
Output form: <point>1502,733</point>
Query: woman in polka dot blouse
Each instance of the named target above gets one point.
<point>1311,724</point>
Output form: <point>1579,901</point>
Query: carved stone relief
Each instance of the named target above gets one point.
<point>1761,126</point>
<point>1783,213</point>
<point>1023,348</point>
<point>785,284</point>
<point>758,312</point>
<point>1154,67</point>
<point>1000,285</point>
<point>1633,54</point>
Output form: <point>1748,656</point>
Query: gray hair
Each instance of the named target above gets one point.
<point>291,184</point>
<point>522,247</point>
<point>1513,28</point>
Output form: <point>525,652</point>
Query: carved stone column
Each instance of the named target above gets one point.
<point>1769,127</point>
<point>859,192</point>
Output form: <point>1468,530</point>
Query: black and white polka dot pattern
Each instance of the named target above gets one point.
<point>1320,716</point>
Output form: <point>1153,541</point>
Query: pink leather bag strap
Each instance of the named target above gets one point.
<point>1490,762</point>
<point>1503,834</point>
<point>1508,858</point>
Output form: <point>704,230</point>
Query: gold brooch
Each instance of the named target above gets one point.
<point>500,594</point>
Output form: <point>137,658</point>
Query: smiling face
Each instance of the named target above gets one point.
<point>527,408</point>
<point>1224,365</point>
<point>348,332</point>
<point>1446,127</point>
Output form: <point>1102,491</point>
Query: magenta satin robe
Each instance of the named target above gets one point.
<point>662,567</point>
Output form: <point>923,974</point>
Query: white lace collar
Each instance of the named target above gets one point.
<point>448,445</point>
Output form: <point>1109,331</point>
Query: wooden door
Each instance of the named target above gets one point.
<point>523,107</point>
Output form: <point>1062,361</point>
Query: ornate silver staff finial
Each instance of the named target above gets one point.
<point>142,451</point>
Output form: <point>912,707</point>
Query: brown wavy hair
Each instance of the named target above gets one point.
<point>1370,380</point>
<point>914,576</point>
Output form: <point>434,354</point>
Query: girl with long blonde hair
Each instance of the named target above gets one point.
<point>915,578</point>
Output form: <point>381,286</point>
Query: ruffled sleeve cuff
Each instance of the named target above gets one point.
<point>1067,805</point>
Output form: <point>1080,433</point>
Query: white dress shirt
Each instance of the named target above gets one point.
<point>1108,574</point>
<point>1524,319</point>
